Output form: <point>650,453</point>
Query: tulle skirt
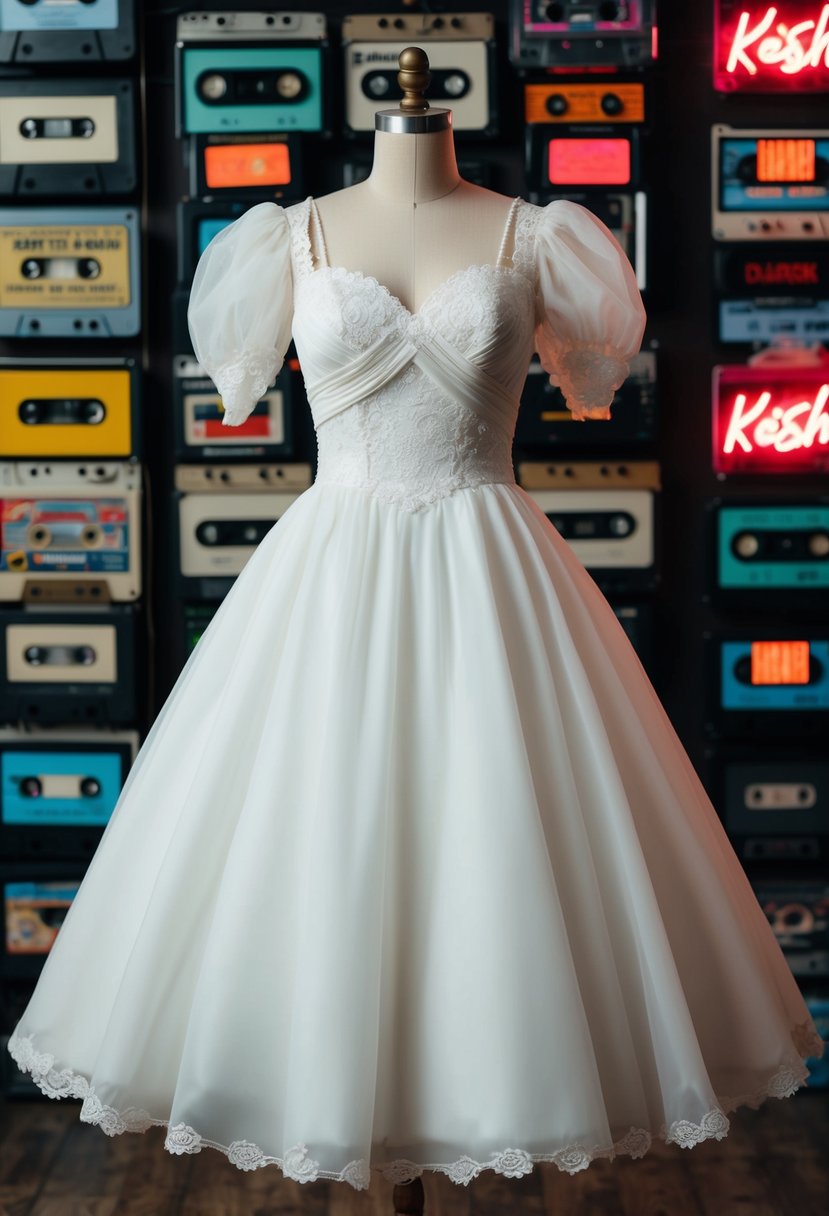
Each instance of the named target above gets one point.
<point>412,872</point>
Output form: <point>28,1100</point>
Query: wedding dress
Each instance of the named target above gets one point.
<point>412,871</point>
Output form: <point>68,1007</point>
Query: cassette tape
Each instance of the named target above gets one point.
<point>798,911</point>
<point>765,48</point>
<point>267,166</point>
<point>625,214</point>
<point>199,434</point>
<point>564,158</point>
<point>71,31</point>
<point>69,272</point>
<point>773,808</point>
<point>67,137</point>
<point>544,421</point>
<point>580,33</point>
<point>778,548</point>
<point>33,912</point>
<point>637,622</point>
<point>461,50</point>
<point>771,292</point>
<point>767,685</point>
<point>66,408</point>
<point>769,185</point>
<point>575,102</point>
<point>222,513</point>
<point>70,532</point>
<point>197,224</point>
<point>770,419</point>
<point>240,71</point>
<point>607,514</point>
<point>67,664</point>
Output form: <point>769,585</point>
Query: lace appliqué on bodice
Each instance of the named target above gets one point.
<point>411,440</point>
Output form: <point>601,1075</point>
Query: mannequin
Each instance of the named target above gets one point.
<point>414,221</point>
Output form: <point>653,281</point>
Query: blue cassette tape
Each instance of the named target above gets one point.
<point>241,72</point>
<point>769,687</point>
<point>780,549</point>
<point>33,913</point>
<point>66,31</point>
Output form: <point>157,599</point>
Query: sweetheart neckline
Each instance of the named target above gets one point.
<point>415,314</point>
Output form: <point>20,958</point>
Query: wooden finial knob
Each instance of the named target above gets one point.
<point>413,78</point>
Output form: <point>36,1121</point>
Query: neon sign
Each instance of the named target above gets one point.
<point>770,420</point>
<point>771,48</point>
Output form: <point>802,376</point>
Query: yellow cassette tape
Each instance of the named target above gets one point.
<point>68,408</point>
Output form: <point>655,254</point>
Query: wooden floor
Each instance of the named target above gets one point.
<point>774,1162</point>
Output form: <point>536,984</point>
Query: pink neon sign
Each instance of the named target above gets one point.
<point>770,420</point>
<point>771,48</point>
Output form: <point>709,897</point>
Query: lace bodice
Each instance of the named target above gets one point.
<point>411,406</point>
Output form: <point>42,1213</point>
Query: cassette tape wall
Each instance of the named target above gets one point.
<point>129,137</point>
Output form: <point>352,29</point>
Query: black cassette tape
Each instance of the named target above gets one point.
<point>774,808</point>
<point>67,137</point>
<point>772,291</point>
<point>67,664</point>
<point>576,33</point>
<point>259,166</point>
<point>767,685</point>
<point>770,556</point>
<point>598,159</point>
<point>545,422</point>
<point>59,786</point>
<point>637,621</point>
<point>798,911</point>
<point>69,272</point>
<point>70,532</point>
<point>250,71</point>
<point>199,433</point>
<point>607,512</point>
<point>221,513</point>
<point>70,31</point>
<point>461,50</point>
<point>68,408</point>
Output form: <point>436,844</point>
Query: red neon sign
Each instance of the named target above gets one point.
<point>771,48</point>
<point>770,420</point>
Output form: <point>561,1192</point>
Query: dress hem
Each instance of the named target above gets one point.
<point>300,1166</point>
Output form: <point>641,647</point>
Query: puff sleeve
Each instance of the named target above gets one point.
<point>241,307</point>
<point>590,317</point>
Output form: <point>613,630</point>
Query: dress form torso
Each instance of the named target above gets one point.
<point>414,221</point>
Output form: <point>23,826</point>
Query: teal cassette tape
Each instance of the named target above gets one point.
<point>773,552</point>
<point>244,72</point>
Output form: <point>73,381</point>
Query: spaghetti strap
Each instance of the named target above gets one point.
<point>502,259</point>
<point>317,237</point>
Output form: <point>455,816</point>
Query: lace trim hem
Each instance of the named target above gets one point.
<point>242,380</point>
<point>298,1164</point>
<point>588,373</point>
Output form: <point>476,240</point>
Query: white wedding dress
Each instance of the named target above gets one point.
<point>412,871</point>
